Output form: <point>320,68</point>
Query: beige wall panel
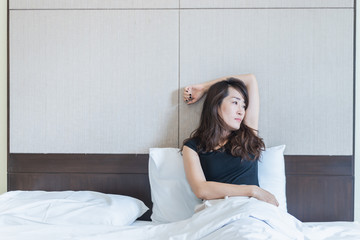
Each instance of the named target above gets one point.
<point>91,4</point>
<point>93,81</point>
<point>303,60</point>
<point>265,3</point>
<point>3,97</point>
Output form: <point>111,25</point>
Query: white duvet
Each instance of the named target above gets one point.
<point>233,218</point>
<point>238,217</point>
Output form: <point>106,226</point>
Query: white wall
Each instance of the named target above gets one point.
<point>357,118</point>
<point>3,95</point>
<point>117,70</point>
<point>120,70</point>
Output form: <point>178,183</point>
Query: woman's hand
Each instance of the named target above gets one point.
<point>193,93</point>
<point>265,196</point>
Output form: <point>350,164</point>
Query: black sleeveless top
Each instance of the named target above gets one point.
<point>221,166</point>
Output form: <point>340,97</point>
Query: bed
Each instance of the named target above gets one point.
<point>146,196</point>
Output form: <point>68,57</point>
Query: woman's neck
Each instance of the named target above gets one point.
<point>223,140</point>
<point>225,136</point>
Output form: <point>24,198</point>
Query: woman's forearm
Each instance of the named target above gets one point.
<point>215,190</point>
<point>195,92</point>
<point>248,80</point>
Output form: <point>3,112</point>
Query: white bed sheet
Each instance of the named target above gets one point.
<point>313,231</point>
<point>236,218</point>
<point>332,230</point>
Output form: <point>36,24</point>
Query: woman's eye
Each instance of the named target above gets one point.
<point>236,103</point>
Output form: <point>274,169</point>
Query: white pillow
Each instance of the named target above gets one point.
<point>171,194</point>
<point>271,171</point>
<point>71,207</point>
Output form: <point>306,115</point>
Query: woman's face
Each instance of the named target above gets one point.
<point>232,109</point>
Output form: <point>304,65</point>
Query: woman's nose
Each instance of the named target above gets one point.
<point>241,111</point>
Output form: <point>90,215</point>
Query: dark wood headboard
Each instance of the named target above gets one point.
<point>125,174</point>
<point>319,188</point>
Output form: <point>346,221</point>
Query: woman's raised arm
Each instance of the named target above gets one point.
<point>193,93</point>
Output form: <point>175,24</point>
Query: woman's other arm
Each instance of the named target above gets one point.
<point>214,190</point>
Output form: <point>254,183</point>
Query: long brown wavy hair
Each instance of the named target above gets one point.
<point>243,142</point>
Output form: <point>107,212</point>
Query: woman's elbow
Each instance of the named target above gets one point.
<point>252,76</point>
<point>201,192</point>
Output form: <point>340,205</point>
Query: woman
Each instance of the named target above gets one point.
<point>220,157</point>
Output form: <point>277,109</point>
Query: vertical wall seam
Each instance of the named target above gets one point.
<point>354,86</point>
<point>354,207</point>
<point>8,94</point>
<point>179,89</point>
